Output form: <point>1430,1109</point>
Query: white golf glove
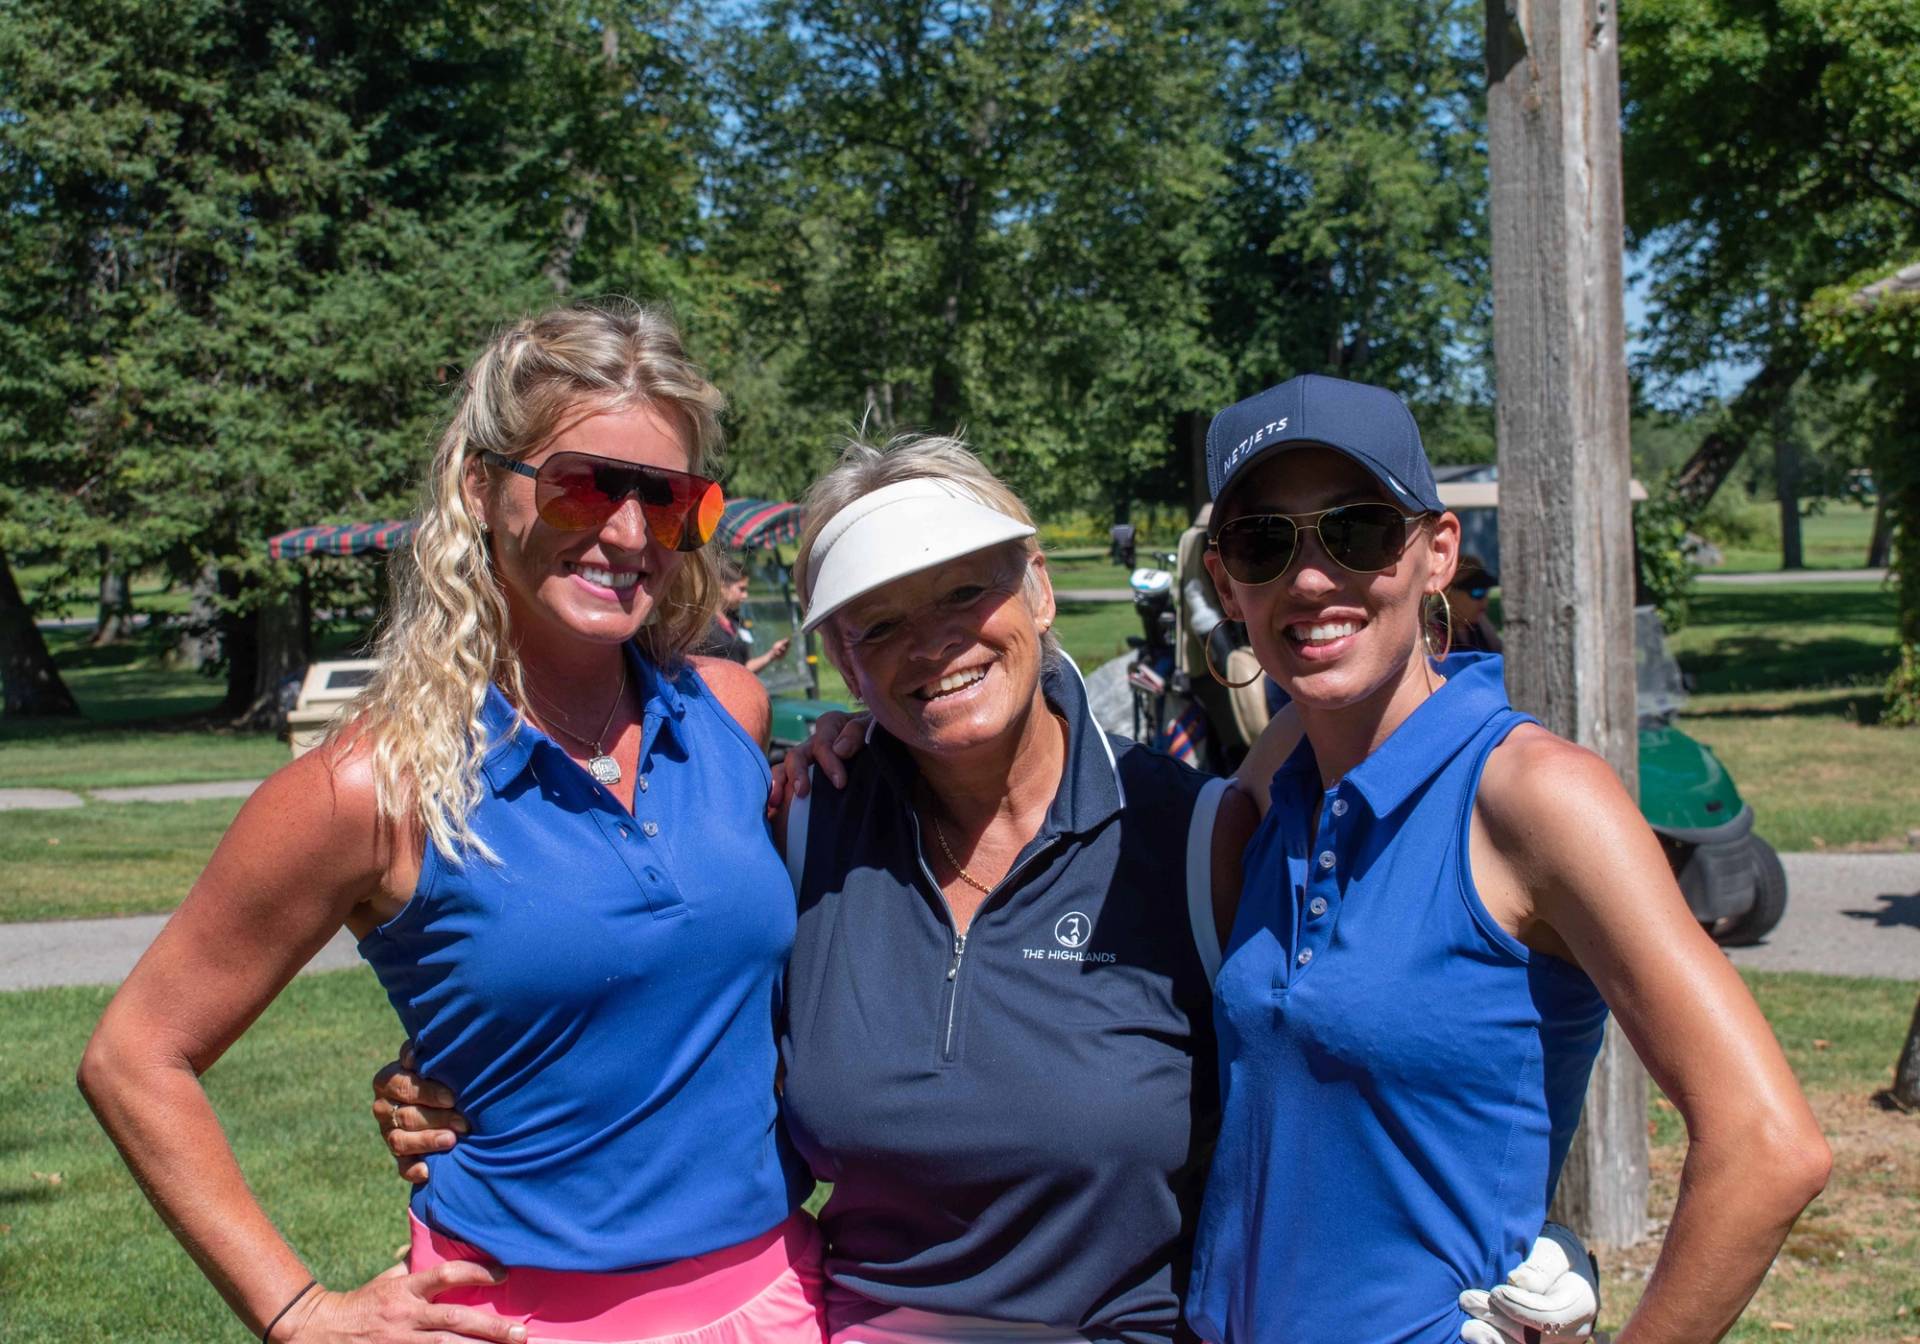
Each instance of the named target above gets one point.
<point>1554,1294</point>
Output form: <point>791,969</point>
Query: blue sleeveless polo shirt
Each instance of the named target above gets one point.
<point>1400,1077</point>
<point>1015,1122</point>
<point>602,1002</point>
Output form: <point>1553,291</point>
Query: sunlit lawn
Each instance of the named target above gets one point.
<point>1834,538</point>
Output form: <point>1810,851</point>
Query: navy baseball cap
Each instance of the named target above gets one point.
<point>1369,424</point>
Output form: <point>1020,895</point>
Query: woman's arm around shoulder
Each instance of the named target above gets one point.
<point>1267,754</point>
<point>1233,826</point>
<point>740,694</point>
<point>1562,858</point>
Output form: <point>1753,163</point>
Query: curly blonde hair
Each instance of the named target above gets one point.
<point>445,635</point>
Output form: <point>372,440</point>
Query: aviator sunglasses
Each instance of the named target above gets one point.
<point>1361,538</point>
<point>573,492</point>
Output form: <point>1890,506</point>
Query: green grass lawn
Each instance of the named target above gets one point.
<point>142,723</point>
<point>1834,538</point>
<point>1787,693</point>
<point>106,858</point>
<point>82,1257</point>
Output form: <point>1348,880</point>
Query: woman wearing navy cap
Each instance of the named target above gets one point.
<point>520,824</point>
<point>1438,910</point>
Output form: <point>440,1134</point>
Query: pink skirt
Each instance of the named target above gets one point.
<point>770,1290</point>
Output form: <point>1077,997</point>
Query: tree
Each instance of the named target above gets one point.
<point>1770,146</point>
<point>1871,324</point>
<point>984,215</point>
<point>1352,237</point>
<point>260,238</point>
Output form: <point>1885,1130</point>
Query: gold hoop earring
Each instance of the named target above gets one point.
<point>1427,623</point>
<point>1206,652</point>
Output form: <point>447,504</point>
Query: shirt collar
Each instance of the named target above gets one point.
<point>1090,789</point>
<point>511,739</point>
<point>1425,741</point>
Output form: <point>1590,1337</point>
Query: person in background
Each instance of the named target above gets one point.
<point>1467,599</point>
<point>545,824</point>
<point>731,634</point>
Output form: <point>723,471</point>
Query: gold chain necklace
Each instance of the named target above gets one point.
<point>940,834</point>
<point>602,766</point>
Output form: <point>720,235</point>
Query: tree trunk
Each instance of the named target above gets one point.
<point>286,647</point>
<point>1906,1074</point>
<point>1701,476</point>
<point>30,681</point>
<point>1553,136</point>
<point>1880,547</point>
<point>1786,487</point>
<point>199,641</point>
<point>115,622</point>
<point>240,647</point>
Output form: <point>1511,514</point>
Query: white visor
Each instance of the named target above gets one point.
<point>898,530</point>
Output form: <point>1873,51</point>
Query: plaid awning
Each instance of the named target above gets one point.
<point>748,523</point>
<point>341,539</point>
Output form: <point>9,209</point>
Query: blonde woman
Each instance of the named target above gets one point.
<point>520,826</point>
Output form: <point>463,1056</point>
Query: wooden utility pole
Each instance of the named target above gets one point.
<point>1566,529</point>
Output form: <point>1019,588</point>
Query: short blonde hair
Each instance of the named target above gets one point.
<point>445,637</point>
<point>865,466</point>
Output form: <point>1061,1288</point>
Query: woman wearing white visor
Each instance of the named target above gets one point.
<point>997,1037</point>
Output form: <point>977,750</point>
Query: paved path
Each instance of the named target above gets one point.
<point>1848,914</point>
<point>1770,577</point>
<point>14,800</point>
<point>44,800</point>
<point>102,951</point>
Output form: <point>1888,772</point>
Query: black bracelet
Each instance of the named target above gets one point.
<point>291,1303</point>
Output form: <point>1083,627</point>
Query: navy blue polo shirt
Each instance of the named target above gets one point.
<point>1016,1123</point>
<point>602,1000</point>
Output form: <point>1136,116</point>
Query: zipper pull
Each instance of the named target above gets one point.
<point>959,951</point>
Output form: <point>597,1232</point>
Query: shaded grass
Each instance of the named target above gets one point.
<point>106,858</point>
<point>1788,637</point>
<point>1786,691</point>
<point>142,722</point>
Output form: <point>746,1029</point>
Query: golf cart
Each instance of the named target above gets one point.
<point>755,529</point>
<point>1732,879</point>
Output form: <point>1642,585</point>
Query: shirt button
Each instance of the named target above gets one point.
<point>624,832</point>
<point>1318,906</point>
<point>1339,807</point>
<point>652,828</point>
<point>1326,858</point>
<point>641,783</point>
<point>1306,955</point>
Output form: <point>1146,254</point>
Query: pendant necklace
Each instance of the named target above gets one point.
<point>601,766</point>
